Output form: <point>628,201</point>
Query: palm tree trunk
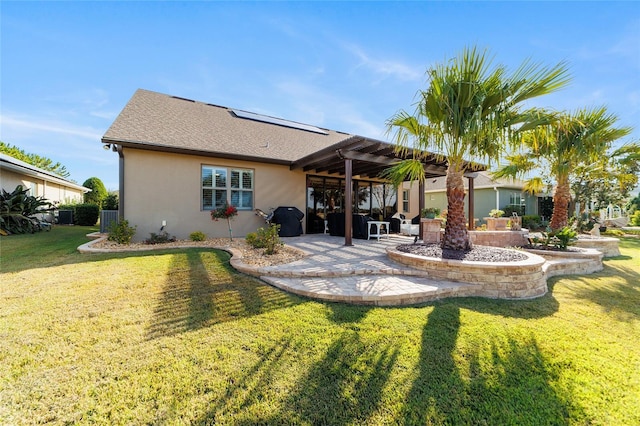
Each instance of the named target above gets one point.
<point>561,200</point>
<point>455,232</point>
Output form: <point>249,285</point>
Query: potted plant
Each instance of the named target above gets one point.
<point>429,212</point>
<point>495,221</point>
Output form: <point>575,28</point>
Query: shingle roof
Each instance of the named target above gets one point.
<point>482,180</point>
<point>10,163</point>
<point>157,121</point>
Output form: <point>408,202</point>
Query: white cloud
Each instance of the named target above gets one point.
<point>385,68</point>
<point>317,106</point>
<point>31,125</point>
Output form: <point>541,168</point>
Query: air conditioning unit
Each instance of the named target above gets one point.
<point>65,217</point>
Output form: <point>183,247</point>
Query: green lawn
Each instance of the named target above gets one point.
<point>178,337</point>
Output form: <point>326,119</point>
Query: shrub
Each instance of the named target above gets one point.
<point>121,232</point>
<point>160,238</point>
<point>532,222</point>
<point>565,237</point>
<point>559,239</point>
<point>17,209</point>
<point>614,233</point>
<point>496,213</point>
<point>98,192</point>
<point>635,219</point>
<point>86,214</point>
<point>509,210</point>
<point>266,238</point>
<point>111,202</point>
<point>197,236</point>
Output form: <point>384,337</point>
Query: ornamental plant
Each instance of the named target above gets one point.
<point>227,212</point>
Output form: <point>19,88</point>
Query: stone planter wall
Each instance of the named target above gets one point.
<point>585,262</point>
<point>607,245</point>
<point>499,238</point>
<point>431,230</point>
<point>499,280</point>
<point>496,223</point>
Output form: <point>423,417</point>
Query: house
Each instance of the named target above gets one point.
<point>41,183</point>
<point>489,194</point>
<point>179,159</point>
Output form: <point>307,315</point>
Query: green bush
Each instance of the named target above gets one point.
<point>508,211</point>
<point>197,236</point>
<point>121,232</point>
<point>565,237</point>
<point>560,239</point>
<point>17,209</point>
<point>110,202</point>
<point>266,238</point>
<point>614,233</point>
<point>635,219</point>
<point>98,192</point>
<point>160,238</point>
<point>531,222</point>
<point>86,214</point>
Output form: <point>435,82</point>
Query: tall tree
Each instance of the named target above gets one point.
<point>98,192</point>
<point>470,111</point>
<point>34,159</point>
<point>609,179</point>
<point>569,140</point>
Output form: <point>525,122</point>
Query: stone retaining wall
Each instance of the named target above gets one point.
<point>499,238</point>
<point>499,280</point>
<point>584,262</point>
<point>607,245</point>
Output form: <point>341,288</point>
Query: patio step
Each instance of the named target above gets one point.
<point>379,290</point>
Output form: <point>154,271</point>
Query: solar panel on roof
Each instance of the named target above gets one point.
<point>278,121</point>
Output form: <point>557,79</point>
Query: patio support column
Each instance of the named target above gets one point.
<point>420,205</point>
<point>472,223</point>
<point>348,201</point>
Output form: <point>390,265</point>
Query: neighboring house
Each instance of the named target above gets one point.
<point>179,159</point>
<point>41,183</point>
<point>489,194</point>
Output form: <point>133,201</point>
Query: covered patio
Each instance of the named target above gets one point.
<point>368,158</point>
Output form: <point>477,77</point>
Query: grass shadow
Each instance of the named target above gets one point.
<point>616,289</point>
<point>341,313</point>
<point>244,390</point>
<point>202,289</point>
<point>345,386</point>
<point>507,382</point>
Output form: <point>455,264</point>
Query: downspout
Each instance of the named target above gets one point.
<point>120,181</point>
<point>497,197</point>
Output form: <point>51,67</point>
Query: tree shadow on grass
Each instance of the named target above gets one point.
<point>616,289</point>
<point>202,289</point>
<point>345,386</point>
<point>250,387</point>
<point>507,382</point>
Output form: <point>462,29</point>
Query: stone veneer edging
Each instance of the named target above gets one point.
<point>523,279</point>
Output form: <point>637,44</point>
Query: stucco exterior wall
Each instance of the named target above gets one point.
<point>167,187</point>
<point>53,192</point>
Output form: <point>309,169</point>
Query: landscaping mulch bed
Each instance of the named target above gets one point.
<point>476,254</point>
<point>250,255</point>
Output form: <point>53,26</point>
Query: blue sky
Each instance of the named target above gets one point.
<point>68,68</point>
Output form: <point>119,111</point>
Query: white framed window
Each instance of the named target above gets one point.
<point>516,199</point>
<point>220,185</point>
<point>405,200</point>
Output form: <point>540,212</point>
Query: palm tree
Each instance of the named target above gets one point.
<point>470,110</point>
<point>567,141</point>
